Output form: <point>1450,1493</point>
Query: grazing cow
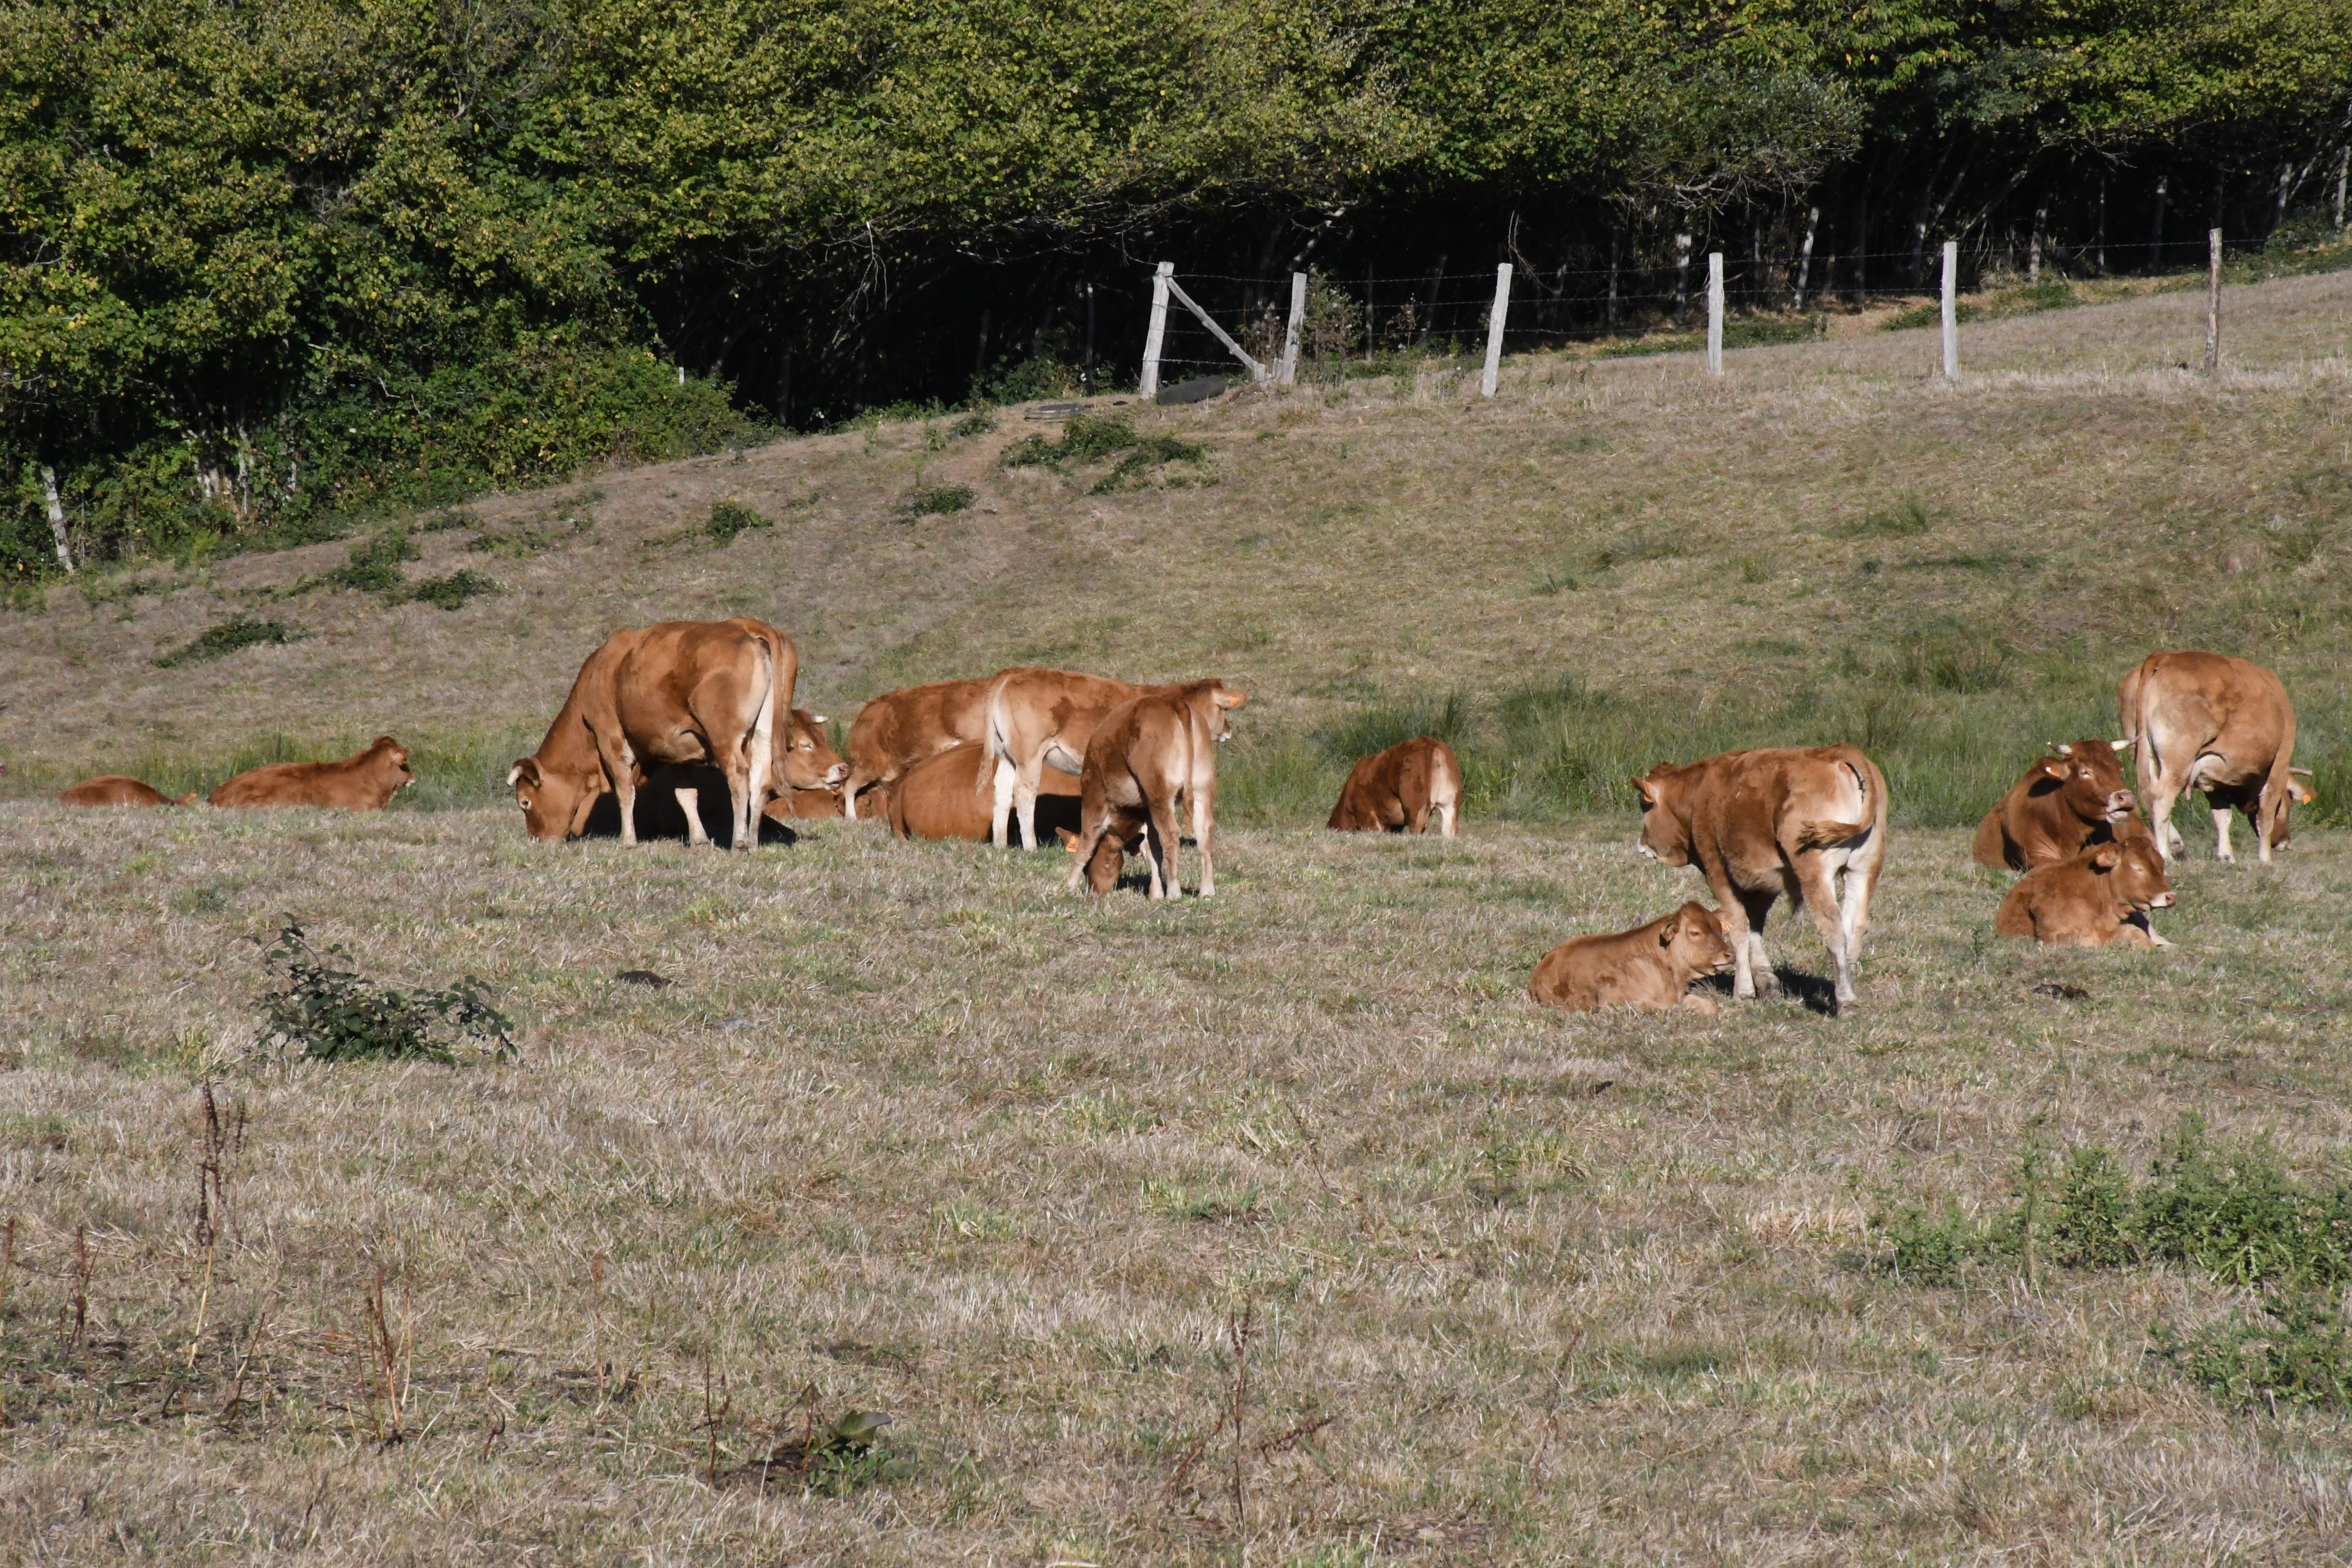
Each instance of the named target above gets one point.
<point>365,781</point>
<point>2208,722</point>
<point>1396,791</point>
<point>2101,896</point>
<point>899,729</point>
<point>1809,824</point>
<point>811,768</point>
<point>1146,754</point>
<point>114,789</point>
<point>2073,798</point>
<point>1038,719</point>
<point>680,693</point>
<point>944,796</point>
<point>1111,855</point>
<point>1651,966</point>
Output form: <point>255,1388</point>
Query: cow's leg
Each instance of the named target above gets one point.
<point>621,769</point>
<point>1447,812</point>
<point>999,823</point>
<point>1024,800</point>
<point>1754,907</point>
<point>689,801</point>
<point>761,770</point>
<point>2221,851</point>
<point>1735,930</point>
<point>1164,880</point>
<point>1417,819</point>
<point>1816,876</point>
<point>1205,828</point>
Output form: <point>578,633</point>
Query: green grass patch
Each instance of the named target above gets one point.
<point>453,592</point>
<point>728,520</point>
<point>224,637</point>
<point>937,500</point>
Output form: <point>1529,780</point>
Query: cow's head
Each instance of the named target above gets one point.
<point>389,758</point>
<point>555,806</point>
<point>1665,830</point>
<point>2086,780</point>
<point>1215,703</point>
<point>1694,941</point>
<point>1109,861</point>
<point>809,761</point>
<point>2134,874</point>
<point>2298,792</point>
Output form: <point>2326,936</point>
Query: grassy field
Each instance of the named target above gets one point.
<point>913,1134</point>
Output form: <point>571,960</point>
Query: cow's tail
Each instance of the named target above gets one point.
<point>1871,817</point>
<point>995,738</point>
<point>761,742</point>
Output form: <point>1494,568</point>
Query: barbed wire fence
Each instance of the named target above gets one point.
<point>1209,329</point>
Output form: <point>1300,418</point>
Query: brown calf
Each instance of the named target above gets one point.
<point>2063,803</point>
<point>2208,722</point>
<point>680,693</point>
<point>899,729</point>
<point>114,789</point>
<point>1396,791</point>
<point>365,781</point>
<point>1038,719</point>
<point>943,796</point>
<point>2101,896</point>
<point>1652,966</point>
<point>1146,755</point>
<point>1808,823</point>
<point>806,765</point>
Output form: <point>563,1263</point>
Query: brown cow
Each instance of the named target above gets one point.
<point>899,729</point>
<point>2101,896</point>
<point>1396,791</point>
<point>811,768</point>
<point>365,781</point>
<point>2064,802</point>
<point>1145,756</point>
<point>678,694</point>
<point>1038,719</point>
<point>1651,966</point>
<point>943,796</point>
<point>1810,824</point>
<point>114,789</point>
<point>2210,722</point>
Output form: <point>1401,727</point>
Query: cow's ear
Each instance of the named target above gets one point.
<point>2107,857</point>
<point>1671,930</point>
<point>1224,698</point>
<point>1069,839</point>
<point>1649,796</point>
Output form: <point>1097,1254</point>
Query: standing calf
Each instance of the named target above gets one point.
<point>1808,825</point>
<point>1144,756</point>
<point>2208,722</point>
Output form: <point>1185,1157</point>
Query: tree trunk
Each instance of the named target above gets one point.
<point>57,517</point>
<point>1805,258</point>
<point>2156,225</point>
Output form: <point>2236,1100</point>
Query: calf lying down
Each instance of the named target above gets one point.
<point>2101,896</point>
<point>1650,967</point>
<point>114,789</point>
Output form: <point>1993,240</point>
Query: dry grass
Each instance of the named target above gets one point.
<point>912,1132</point>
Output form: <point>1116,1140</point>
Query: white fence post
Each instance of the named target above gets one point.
<point>1297,320</point>
<point>1495,328</point>
<point>2212,299</point>
<point>57,516</point>
<point>1157,333</point>
<point>1951,310</point>
<point>1715,312</point>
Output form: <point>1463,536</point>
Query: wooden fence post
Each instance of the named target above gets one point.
<point>57,517</point>
<point>2212,301</point>
<point>1495,328</point>
<point>1715,312</point>
<point>1297,320</point>
<point>1951,310</point>
<point>1157,332</point>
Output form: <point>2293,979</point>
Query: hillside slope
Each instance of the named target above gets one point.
<point>1829,538</point>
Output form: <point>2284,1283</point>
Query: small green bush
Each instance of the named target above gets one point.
<point>978,422</point>
<point>1085,438</point>
<point>451,593</point>
<point>2298,1351</point>
<point>226,637</point>
<point>320,1009</point>
<point>728,519</point>
<point>374,566</point>
<point>936,500</point>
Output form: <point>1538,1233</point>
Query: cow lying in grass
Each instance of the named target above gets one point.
<point>115,789</point>
<point>946,795</point>
<point>365,781</point>
<point>1809,824</point>
<point>2065,801</point>
<point>1145,756</point>
<point>2101,896</point>
<point>1651,966</point>
<point>1398,790</point>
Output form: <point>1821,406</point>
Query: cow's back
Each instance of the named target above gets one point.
<point>939,797</point>
<point>116,789</point>
<point>899,728</point>
<point>1750,803</point>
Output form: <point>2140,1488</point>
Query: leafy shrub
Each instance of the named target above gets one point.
<point>978,422</point>
<point>1085,438</point>
<point>728,519</point>
<point>226,637</point>
<point>1149,453</point>
<point>374,566</point>
<point>320,1009</point>
<point>940,500</point>
<point>2298,1350</point>
<point>451,593</point>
